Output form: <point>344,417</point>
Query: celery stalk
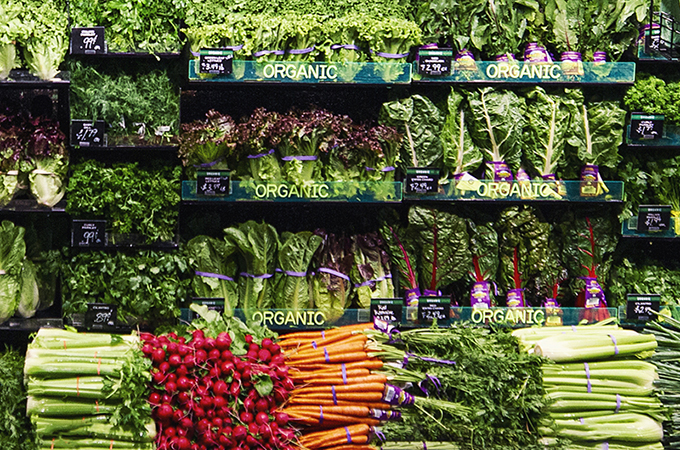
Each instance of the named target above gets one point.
<point>45,369</point>
<point>93,426</point>
<point>94,444</point>
<point>562,401</point>
<point>597,386</point>
<point>610,343</point>
<point>56,338</point>
<point>57,407</point>
<point>623,427</point>
<point>84,387</point>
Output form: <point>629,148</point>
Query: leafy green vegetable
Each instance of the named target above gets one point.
<point>460,154</point>
<point>29,295</point>
<point>45,45</point>
<point>11,29</point>
<point>502,28</point>
<point>484,248</point>
<point>344,43</point>
<point>295,254</point>
<point>16,432</point>
<point>390,40</point>
<point>447,21</point>
<point>257,244</point>
<point>420,121</point>
<point>653,95</point>
<point>215,267</point>
<point>401,247</point>
<point>331,286</point>
<point>209,144</point>
<point>257,141</point>
<point>646,277</point>
<point>371,269</point>
<point>12,253</point>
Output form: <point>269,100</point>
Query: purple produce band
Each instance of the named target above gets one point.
<point>423,358</point>
<point>299,158</point>
<point>334,272</point>
<point>325,354</point>
<point>590,389</point>
<point>335,398</point>
<point>424,446</point>
<point>213,275</point>
<point>292,274</point>
<point>583,422</point>
<point>574,329</point>
<point>301,51</point>
<point>314,345</point>
<point>320,414</point>
<point>344,373</point>
<point>369,282</point>
<point>618,404</point>
<point>263,276</point>
<point>209,164</point>
<point>260,155</point>
<point>616,348</point>
<point>268,52</point>
<point>345,46</point>
<point>379,434</point>
<point>605,446</point>
<point>323,334</point>
<point>349,438</point>
<point>390,55</point>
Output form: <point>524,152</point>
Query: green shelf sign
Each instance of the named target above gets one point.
<point>315,191</point>
<point>308,72</point>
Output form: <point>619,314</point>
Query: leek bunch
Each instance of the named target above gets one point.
<point>597,387</point>
<point>88,391</point>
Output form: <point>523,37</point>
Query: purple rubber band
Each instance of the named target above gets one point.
<point>314,345</point>
<point>213,275</point>
<point>583,422</point>
<point>323,334</point>
<point>424,446</point>
<point>268,52</point>
<point>320,414</point>
<point>301,51</point>
<point>345,46</point>
<point>590,389</point>
<point>264,276</point>
<point>335,399</point>
<point>388,169</point>
<point>369,282</point>
<point>605,446</point>
<point>292,274</point>
<point>618,404</point>
<point>379,434</point>
<point>209,164</point>
<point>325,354</point>
<point>349,438</point>
<point>344,373</point>
<point>333,272</point>
<point>368,169</point>
<point>573,328</point>
<point>616,348</point>
<point>434,360</point>
<point>260,155</point>
<point>300,158</point>
<point>390,55</point>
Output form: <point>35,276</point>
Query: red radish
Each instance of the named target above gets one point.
<point>248,404</point>
<point>165,398</point>
<point>210,414</point>
<point>253,348</point>
<point>146,336</point>
<point>186,423</point>
<point>206,402</point>
<point>275,349</point>
<point>227,367</point>
<point>199,412</point>
<point>215,372</point>
<point>184,350</point>
<point>201,356</point>
<point>183,383</point>
<point>203,425</point>
<point>175,360</point>
<point>262,405</point>
<point>172,347</point>
<point>220,387</point>
<point>183,397</point>
<point>277,361</point>
<point>264,355</point>
<point>164,412</point>
<point>209,344</point>
<point>177,415</point>
<point>163,340</point>
<point>182,371</point>
<point>214,354</point>
<point>155,398</point>
<point>265,430</point>
<point>253,428</point>
<point>246,417</point>
<point>251,355</point>
<point>223,341</point>
<point>198,334</point>
<point>235,388</point>
<point>182,443</point>
<point>224,439</point>
<point>240,364</point>
<point>171,377</point>
<point>171,387</point>
<point>169,432</point>
<point>248,338</point>
<point>266,342</point>
<point>189,361</point>
<point>164,367</point>
<point>274,427</point>
<point>158,377</point>
<point>282,419</point>
<point>223,412</point>
<point>198,343</point>
<point>147,349</point>
<point>252,442</point>
<point>262,418</point>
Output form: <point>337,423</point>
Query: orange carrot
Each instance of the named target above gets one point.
<point>323,334</point>
<point>361,396</point>
<point>321,374</point>
<point>364,387</point>
<point>311,351</point>
<point>335,357</point>
<point>370,363</point>
<point>353,447</point>
<point>331,419</point>
<point>303,400</point>
<point>358,411</point>
<point>336,436</point>
<point>373,378</point>
<point>304,344</point>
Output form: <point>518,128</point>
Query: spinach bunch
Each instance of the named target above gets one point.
<point>134,200</point>
<point>147,286</point>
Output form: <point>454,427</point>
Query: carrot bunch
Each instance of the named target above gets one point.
<point>338,397</point>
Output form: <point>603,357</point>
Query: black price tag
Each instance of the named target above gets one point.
<point>216,61</point>
<point>100,317</point>
<point>435,62</point>
<point>213,304</point>
<point>644,127</point>
<point>431,308</point>
<point>88,41</point>
<point>387,309</point>
<point>652,218</point>
<point>638,307</point>
<point>88,233</point>
<point>421,181</point>
<point>87,134</point>
<point>213,183</point>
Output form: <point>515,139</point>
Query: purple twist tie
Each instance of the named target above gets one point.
<point>325,354</point>
<point>379,434</point>
<point>263,276</point>
<point>391,55</point>
<point>208,164</point>
<point>314,345</point>
<point>320,414</point>
<point>335,399</point>
<point>368,169</point>
<point>301,51</point>
<point>344,373</point>
<point>268,52</point>
<point>213,275</point>
<point>616,348</point>
<point>369,282</point>
<point>300,158</point>
<point>345,46</point>
<point>349,438</point>
<point>260,155</point>
<point>605,446</point>
<point>583,422</point>
<point>334,272</point>
<point>388,169</point>
<point>618,404</point>
<point>590,389</point>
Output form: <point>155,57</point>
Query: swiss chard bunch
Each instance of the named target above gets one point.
<point>208,144</point>
<point>460,153</point>
<point>485,261</point>
<point>401,248</point>
<point>370,272</point>
<point>447,22</point>
<point>331,284</point>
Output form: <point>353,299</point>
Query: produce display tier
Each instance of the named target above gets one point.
<point>327,191</point>
<point>283,319</point>
<point>26,205</point>
<point>629,229</point>
<point>31,324</point>
<point>22,79</point>
<point>308,72</point>
<point>544,191</point>
<point>535,73</point>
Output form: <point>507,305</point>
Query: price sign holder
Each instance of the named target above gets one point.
<point>101,317</point>
<point>638,306</point>
<point>85,133</point>
<point>213,304</point>
<point>421,180</point>
<point>87,41</point>
<point>387,309</point>
<point>88,233</point>
<point>646,127</point>
<point>215,61</point>
<point>431,308</point>
<point>654,218</point>
<point>213,184</point>
<point>435,62</point>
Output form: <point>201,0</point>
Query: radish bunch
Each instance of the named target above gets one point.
<point>206,398</point>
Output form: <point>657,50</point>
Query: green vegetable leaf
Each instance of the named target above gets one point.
<point>460,154</point>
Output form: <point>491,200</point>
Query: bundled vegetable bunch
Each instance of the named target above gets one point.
<point>598,390</point>
<point>254,267</point>
<point>38,31</point>
<point>297,147</point>
<point>139,203</point>
<point>653,95</point>
<point>133,25</point>
<point>139,102</point>
<point>219,387</point>
<point>88,391</point>
<point>650,276</point>
<point>146,286</point>
<point>15,427</point>
<point>33,155</point>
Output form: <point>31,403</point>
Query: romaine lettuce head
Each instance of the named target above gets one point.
<point>29,296</point>
<point>47,180</point>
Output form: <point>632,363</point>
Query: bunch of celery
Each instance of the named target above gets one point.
<point>88,391</point>
<point>598,389</point>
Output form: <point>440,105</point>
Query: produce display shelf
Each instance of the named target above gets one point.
<point>535,73</point>
<point>23,79</point>
<point>29,205</point>
<point>629,230</point>
<point>542,191</point>
<point>130,55</point>
<point>32,324</point>
<point>284,319</point>
<point>315,191</point>
<point>130,148</point>
<point>308,72</point>
<point>669,139</point>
